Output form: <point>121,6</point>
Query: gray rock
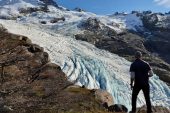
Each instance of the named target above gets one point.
<point>104,97</point>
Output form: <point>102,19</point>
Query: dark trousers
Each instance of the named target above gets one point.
<point>146,91</point>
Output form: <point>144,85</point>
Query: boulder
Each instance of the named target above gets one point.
<point>91,24</point>
<point>104,97</point>
<point>43,22</point>
<point>117,108</point>
<point>49,71</point>
<point>55,20</point>
<point>35,48</point>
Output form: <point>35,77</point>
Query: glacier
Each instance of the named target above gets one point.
<point>83,63</point>
<point>86,65</point>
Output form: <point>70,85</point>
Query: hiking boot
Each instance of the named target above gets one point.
<point>132,112</point>
<point>149,112</point>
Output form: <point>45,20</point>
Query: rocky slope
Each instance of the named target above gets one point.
<point>158,40</point>
<point>30,83</point>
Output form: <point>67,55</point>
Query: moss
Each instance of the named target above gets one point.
<point>78,90</point>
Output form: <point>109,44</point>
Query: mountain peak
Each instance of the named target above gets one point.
<point>49,2</point>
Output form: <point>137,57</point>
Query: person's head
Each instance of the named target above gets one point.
<point>138,55</point>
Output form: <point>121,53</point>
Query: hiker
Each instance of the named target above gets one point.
<point>140,72</point>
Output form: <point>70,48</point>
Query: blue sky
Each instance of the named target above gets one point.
<point>111,6</point>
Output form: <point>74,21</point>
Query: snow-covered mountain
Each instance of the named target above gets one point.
<point>13,8</point>
<point>82,62</point>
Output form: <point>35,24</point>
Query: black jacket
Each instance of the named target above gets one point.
<point>141,69</point>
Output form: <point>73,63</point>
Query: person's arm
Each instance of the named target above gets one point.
<point>150,73</point>
<point>132,75</point>
<point>132,79</point>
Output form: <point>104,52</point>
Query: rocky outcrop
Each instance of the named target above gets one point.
<point>103,37</point>
<point>27,76</point>
<point>55,20</point>
<point>150,21</point>
<point>30,83</point>
<point>30,10</point>
<point>155,21</point>
<point>91,24</point>
<point>94,25</point>
<point>104,97</point>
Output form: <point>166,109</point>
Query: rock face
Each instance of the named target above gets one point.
<point>156,21</point>
<point>30,10</point>
<point>158,27</point>
<point>150,20</point>
<point>29,83</point>
<point>92,24</point>
<point>96,26</point>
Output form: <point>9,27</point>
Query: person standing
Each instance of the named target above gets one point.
<point>140,72</point>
